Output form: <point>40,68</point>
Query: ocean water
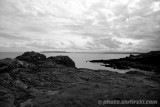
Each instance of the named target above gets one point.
<point>80,59</point>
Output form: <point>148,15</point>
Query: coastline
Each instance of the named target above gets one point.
<point>32,79</point>
<point>81,59</point>
<point>145,61</point>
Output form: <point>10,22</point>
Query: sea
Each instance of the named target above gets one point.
<point>81,59</point>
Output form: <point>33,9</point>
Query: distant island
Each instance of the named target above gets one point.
<point>54,52</point>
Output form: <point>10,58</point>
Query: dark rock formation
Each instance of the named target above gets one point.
<point>146,61</point>
<point>56,82</point>
<point>31,57</point>
<point>64,60</point>
<point>37,58</point>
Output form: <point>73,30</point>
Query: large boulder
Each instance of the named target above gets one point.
<point>31,57</point>
<point>64,60</point>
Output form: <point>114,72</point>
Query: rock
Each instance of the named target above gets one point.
<point>154,78</point>
<point>50,92</point>
<point>35,92</point>
<point>6,65</point>
<point>31,57</point>
<point>64,60</point>
<point>116,66</point>
<point>131,55</point>
<point>145,61</point>
<point>9,64</point>
<point>20,84</point>
<point>48,64</point>
<point>27,103</point>
<point>135,72</point>
<point>6,98</point>
<point>6,80</point>
<point>4,69</point>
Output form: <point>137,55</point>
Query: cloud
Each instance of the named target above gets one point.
<point>109,43</point>
<point>80,25</point>
<point>13,37</point>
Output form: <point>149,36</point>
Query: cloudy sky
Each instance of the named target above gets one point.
<point>80,25</point>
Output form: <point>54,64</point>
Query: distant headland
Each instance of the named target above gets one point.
<point>92,52</point>
<point>54,52</point>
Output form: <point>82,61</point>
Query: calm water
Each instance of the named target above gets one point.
<point>79,58</point>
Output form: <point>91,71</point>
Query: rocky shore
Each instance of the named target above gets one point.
<point>146,61</point>
<point>33,80</point>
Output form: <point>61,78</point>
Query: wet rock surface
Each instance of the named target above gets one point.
<point>147,61</point>
<point>56,82</point>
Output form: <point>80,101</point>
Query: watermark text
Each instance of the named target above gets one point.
<point>105,102</point>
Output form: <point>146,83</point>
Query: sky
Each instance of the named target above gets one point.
<point>79,25</point>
